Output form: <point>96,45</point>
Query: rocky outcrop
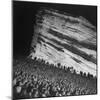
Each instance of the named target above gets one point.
<point>66,39</point>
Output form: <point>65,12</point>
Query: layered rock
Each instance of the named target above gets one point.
<point>66,39</point>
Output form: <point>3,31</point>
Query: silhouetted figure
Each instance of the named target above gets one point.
<point>58,65</point>
<point>81,73</point>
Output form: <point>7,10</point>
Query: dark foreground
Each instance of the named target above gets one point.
<point>37,79</point>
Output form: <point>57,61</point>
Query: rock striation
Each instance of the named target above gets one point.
<point>62,38</point>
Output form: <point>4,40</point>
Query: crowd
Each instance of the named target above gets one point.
<point>37,79</point>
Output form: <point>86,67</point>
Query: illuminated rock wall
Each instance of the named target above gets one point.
<point>62,38</point>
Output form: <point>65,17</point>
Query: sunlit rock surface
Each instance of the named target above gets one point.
<point>62,38</point>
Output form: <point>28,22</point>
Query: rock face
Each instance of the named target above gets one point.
<point>66,39</point>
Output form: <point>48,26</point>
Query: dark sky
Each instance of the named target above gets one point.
<point>24,20</point>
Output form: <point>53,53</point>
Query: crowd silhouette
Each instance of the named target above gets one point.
<point>38,79</point>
